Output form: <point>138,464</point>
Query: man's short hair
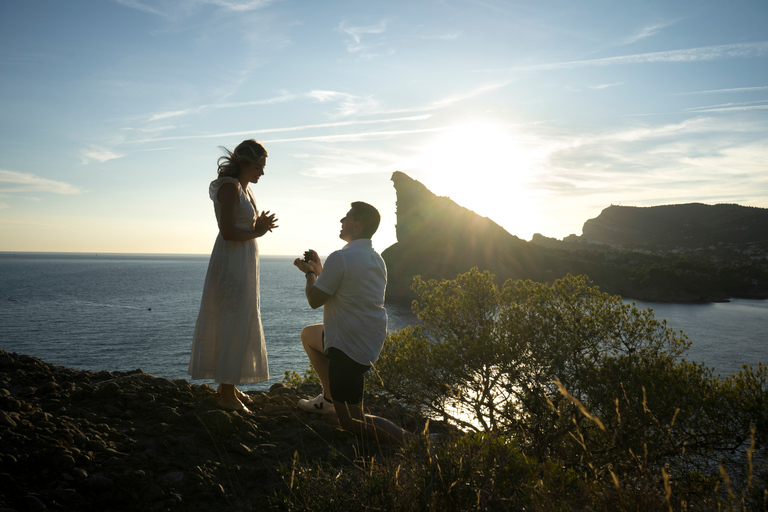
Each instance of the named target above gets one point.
<point>368,216</point>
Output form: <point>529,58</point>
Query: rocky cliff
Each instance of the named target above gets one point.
<point>438,239</point>
<point>691,225</point>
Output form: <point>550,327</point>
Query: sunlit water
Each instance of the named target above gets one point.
<point>119,313</point>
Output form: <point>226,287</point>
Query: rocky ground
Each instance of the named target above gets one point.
<point>77,440</point>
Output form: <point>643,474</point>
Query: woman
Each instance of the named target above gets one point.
<point>228,343</point>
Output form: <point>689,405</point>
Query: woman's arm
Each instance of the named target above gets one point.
<point>229,198</point>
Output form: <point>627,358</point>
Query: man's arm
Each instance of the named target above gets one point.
<point>315,296</point>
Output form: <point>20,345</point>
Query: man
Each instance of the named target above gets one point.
<point>350,287</point>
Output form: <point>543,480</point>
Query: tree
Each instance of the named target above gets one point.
<point>575,374</point>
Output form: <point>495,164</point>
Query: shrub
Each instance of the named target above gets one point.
<point>574,375</point>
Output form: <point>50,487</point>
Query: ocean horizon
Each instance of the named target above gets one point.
<point>123,311</point>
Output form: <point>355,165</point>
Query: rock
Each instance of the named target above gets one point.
<point>34,504</point>
<point>78,440</point>
<point>6,419</point>
<point>99,482</point>
<point>279,387</point>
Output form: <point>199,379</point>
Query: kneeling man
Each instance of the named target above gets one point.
<point>350,287</point>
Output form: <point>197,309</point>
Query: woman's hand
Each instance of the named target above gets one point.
<point>264,222</point>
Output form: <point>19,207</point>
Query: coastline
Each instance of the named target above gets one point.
<point>81,440</point>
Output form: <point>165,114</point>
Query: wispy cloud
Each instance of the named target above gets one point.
<point>361,136</point>
<point>99,155</point>
<point>736,89</point>
<point>262,131</point>
<point>678,162</point>
<point>24,182</point>
<point>731,108</point>
<point>247,5</point>
<point>166,115</point>
<point>472,93</point>
<point>706,53</point>
<point>646,32</point>
<point>176,9</point>
<point>348,104</point>
<point>443,37</point>
<point>605,86</point>
<point>355,43</point>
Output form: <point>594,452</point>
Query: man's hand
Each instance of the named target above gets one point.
<point>311,262</point>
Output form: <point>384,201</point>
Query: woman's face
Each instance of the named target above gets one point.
<point>252,171</point>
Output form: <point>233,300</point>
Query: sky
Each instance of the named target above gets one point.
<point>537,115</point>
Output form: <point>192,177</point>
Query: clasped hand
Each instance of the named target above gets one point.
<point>265,222</point>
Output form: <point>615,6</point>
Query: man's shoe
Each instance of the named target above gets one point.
<point>317,404</point>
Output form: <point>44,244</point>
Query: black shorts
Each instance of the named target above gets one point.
<point>345,375</point>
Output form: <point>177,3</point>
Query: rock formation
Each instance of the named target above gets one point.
<point>693,225</point>
<point>438,239</point>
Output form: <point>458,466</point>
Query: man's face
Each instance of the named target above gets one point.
<point>349,227</point>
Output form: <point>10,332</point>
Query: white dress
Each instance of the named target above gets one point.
<point>228,344</point>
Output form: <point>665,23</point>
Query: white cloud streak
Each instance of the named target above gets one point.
<point>287,129</point>
<point>360,136</point>
<point>176,9</point>
<point>706,53</point>
<point>738,108</point>
<point>737,89</point>
<point>355,43</point>
<point>605,86</point>
<point>99,155</point>
<point>24,182</point>
<point>647,32</point>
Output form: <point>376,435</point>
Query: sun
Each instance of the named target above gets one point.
<point>484,167</point>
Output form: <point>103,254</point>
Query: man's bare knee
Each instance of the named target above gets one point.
<point>312,337</point>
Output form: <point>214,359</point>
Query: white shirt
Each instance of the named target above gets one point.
<point>354,318</point>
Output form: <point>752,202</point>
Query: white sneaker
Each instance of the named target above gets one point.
<point>317,404</point>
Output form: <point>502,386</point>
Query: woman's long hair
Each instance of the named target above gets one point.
<point>247,151</point>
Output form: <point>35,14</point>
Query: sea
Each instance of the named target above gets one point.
<point>121,312</point>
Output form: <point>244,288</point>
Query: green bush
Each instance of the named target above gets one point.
<point>573,375</point>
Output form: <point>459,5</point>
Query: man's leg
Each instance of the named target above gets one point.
<point>375,428</point>
<point>312,339</point>
<point>347,382</point>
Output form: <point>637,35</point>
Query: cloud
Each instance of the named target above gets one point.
<point>677,162</point>
<point>360,136</point>
<point>24,182</point>
<point>444,37</point>
<point>742,108</point>
<point>725,107</point>
<point>646,32</point>
<point>242,6</point>
<point>99,155</point>
<point>605,86</point>
<point>166,115</point>
<point>354,43</point>
<point>176,9</point>
<point>262,131</point>
<point>737,89</point>
<point>705,53</point>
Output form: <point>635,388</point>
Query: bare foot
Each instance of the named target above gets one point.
<point>235,406</point>
<point>240,396</point>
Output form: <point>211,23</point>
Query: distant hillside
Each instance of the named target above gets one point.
<point>438,239</point>
<point>693,225</point>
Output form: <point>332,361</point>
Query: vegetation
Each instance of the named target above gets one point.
<point>569,400</point>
